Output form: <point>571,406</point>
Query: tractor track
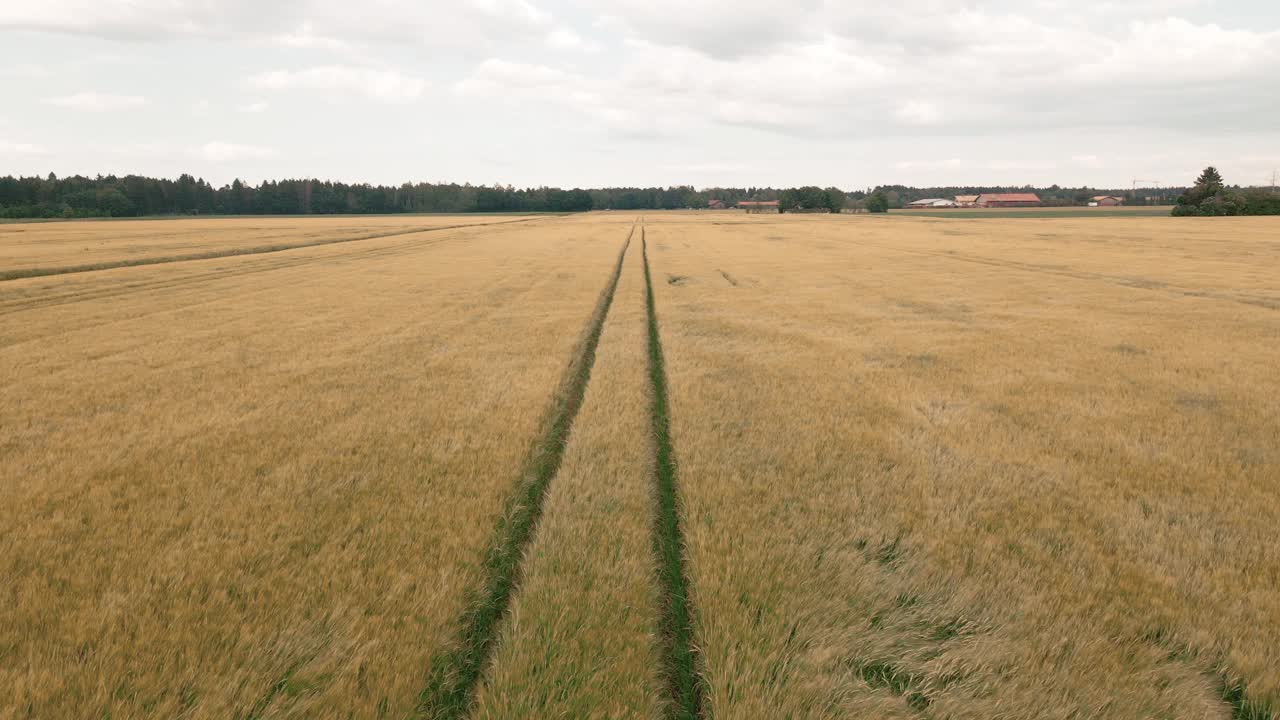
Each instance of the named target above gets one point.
<point>455,672</point>
<point>247,267</point>
<point>679,657</point>
<point>8,275</point>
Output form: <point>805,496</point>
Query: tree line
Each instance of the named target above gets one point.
<point>1212,197</point>
<point>135,195</point>
<point>79,196</point>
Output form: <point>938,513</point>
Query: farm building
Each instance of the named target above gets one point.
<point>931,204</point>
<point>1105,201</point>
<point>715,204</point>
<point>758,206</point>
<point>1009,200</point>
<point>966,201</point>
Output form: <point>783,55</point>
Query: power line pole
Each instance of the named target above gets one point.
<point>1150,183</point>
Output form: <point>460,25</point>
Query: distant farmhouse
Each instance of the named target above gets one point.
<point>758,206</point>
<point>1105,201</point>
<point>1009,200</point>
<point>989,200</point>
<point>715,204</point>
<point>931,204</point>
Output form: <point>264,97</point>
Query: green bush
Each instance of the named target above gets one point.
<point>878,202</point>
<point>1212,198</point>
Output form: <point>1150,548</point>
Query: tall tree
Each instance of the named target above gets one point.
<point>1210,180</point>
<point>835,199</point>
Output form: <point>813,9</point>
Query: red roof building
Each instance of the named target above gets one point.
<point>1004,200</point>
<point>758,205</point>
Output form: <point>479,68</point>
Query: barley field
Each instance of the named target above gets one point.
<point>52,248</point>
<point>683,465</point>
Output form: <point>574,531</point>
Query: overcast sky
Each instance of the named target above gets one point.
<point>644,92</point>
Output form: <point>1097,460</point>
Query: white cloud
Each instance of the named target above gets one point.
<point>253,107</point>
<point>24,70</point>
<point>221,152</point>
<point>723,168</point>
<point>382,85</point>
<point>521,10</point>
<point>96,102</point>
<point>149,150</point>
<point>603,103</point>
<point>464,26</point>
<point>725,29</point>
<point>305,37</point>
<point>1184,52</point>
<point>849,69</point>
<point>563,38</point>
<point>947,164</point>
<point>16,148</point>
<point>1021,165</point>
<point>919,112</point>
<point>143,19</point>
<point>496,76</point>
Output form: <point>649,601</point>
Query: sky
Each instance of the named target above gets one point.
<point>575,93</point>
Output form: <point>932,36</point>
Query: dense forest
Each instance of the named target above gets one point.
<point>133,195</point>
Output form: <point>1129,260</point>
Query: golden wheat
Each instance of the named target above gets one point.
<point>929,467</point>
<point>977,468</point>
<point>55,246</point>
<point>261,486</point>
<point>580,639</point>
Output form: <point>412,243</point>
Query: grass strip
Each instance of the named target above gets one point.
<point>455,672</point>
<point>1242,707</point>
<point>679,660</point>
<point>228,252</point>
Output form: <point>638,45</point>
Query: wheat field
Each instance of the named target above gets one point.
<point>580,641</point>
<point>978,468</point>
<point>899,467</point>
<point>48,248</point>
<point>259,486</point>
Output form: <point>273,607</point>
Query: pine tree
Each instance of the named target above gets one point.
<point>1210,181</point>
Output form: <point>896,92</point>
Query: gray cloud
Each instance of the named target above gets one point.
<point>843,92</point>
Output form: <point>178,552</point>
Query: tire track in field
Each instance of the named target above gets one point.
<point>679,658</point>
<point>248,267</point>
<point>455,672</point>
<point>1129,282</point>
<point>251,267</point>
<point>228,252</point>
